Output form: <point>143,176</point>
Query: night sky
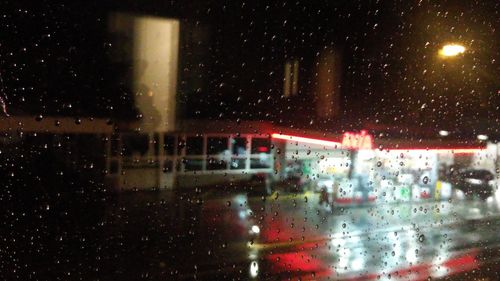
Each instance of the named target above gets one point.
<point>54,59</point>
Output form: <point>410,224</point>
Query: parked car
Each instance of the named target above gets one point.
<point>474,183</point>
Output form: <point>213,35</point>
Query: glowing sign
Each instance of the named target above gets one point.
<point>360,140</point>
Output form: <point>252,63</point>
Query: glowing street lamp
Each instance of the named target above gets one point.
<point>451,50</point>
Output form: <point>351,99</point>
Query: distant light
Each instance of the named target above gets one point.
<point>255,229</point>
<point>451,50</point>
<point>444,133</point>
<point>262,149</point>
<point>254,269</point>
<point>482,137</point>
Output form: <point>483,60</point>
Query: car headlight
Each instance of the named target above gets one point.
<point>255,229</point>
<point>474,181</point>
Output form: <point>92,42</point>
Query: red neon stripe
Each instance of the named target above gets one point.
<point>339,145</point>
<point>307,140</point>
<point>441,150</point>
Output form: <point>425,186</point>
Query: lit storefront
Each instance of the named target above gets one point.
<point>387,170</point>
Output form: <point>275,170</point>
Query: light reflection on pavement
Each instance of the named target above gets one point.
<point>157,236</point>
<point>410,241</point>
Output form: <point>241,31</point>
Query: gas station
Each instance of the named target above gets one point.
<point>364,168</point>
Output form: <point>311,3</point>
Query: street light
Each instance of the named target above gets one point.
<point>451,50</point>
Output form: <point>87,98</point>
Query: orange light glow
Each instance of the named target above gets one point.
<point>307,140</point>
<point>452,50</point>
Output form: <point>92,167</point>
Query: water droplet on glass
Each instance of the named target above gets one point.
<point>421,238</point>
<point>425,180</point>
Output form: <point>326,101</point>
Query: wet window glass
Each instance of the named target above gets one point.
<point>193,164</point>
<point>238,164</point>
<point>156,143</point>
<point>239,146</point>
<point>217,146</point>
<point>249,140</point>
<point>168,166</point>
<point>135,144</point>
<point>216,164</point>
<point>194,146</point>
<point>261,162</point>
<point>169,144</point>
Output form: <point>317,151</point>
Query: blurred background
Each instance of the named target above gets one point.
<point>218,140</point>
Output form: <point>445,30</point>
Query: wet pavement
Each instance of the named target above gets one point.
<point>233,236</point>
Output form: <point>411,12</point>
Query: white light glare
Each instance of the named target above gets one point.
<point>254,269</point>
<point>255,229</point>
<point>474,181</point>
<point>452,50</point>
<point>444,133</point>
<point>482,137</point>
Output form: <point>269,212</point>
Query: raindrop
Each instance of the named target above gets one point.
<point>425,180</point>
<point>421,238</point>
<point>379,163</point>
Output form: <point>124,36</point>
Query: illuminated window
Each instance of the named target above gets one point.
<point>239,146</point>
<point>291,78</point>
<point>261,145</point>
